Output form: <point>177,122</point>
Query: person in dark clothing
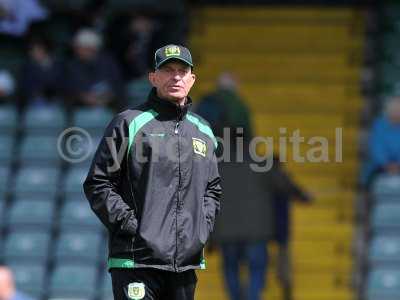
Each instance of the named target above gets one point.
<point>93,15</point>
<point>93,77</point>
<point>155,185</point>
<point>225,108</point>
<point>265,198</point>
<point>245,194</point>
<point>41,76</point>
<point>284,190</point>
<point>244,228</point>
<point>133,47</point>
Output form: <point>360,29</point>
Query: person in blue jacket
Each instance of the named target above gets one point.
<point>384,142</point>
<point>8,290</point>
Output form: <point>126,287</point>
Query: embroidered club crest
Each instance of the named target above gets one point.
<point>136,290</point>
<point>199,147</point>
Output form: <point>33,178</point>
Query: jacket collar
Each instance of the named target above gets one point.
<point>168,108</point>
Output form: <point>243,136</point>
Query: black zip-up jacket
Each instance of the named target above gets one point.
<point>154,184</point>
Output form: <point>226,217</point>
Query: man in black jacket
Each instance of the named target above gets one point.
<point>154,184</point>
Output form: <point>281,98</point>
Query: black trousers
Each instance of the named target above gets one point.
<point>153,284</point>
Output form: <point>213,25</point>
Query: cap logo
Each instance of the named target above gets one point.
<point>172,51</point>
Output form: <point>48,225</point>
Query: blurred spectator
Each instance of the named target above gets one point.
<point>225,108</point>
<point>265,199</point>
<point>245,194</point>
<point>42,74</point>
<point>244,228</point>
<point>284,190</point>
<point>93,15</point>
<point>17,15</point>
<point>7,87</point>
<point>93,77</point>
<point>7,286</point>
<point>384,142</point>
<point>134,45</point>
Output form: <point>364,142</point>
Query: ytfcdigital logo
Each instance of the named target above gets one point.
<point>76,145</point>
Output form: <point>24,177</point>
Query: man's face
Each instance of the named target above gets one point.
<point>85,53</point>
<point>173,80</point>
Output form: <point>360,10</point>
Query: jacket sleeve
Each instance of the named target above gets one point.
<point>213,193</point>
<point>101,186</point>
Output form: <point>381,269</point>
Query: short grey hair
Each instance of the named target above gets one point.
<point>87,37</point>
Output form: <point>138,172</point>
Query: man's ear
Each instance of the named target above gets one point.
<point>152,78</point>
<point>193,77</point>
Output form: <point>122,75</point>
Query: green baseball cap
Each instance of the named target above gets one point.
<point>170,52</point>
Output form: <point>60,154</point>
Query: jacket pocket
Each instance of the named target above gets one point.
<point>121,242</point>
<point>205,227</point>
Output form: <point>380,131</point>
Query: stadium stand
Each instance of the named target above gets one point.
<point>27,245</point>
<point>299,69</point>
<point>47,120</point>
<point>381,258</point>
<point>73,281</point>
<point>92,120</point>
<point>8,119</point>
<point>31,213</point>
<point>30,277</point>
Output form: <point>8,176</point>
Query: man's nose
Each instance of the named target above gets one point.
<point>177,76</point>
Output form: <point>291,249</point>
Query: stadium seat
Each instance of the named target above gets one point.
<point>8,119</point>
<point>84,151</point>
<point>74,180</point>
<point>80,247</point>
<point>383,284</point>
<point>386,216</point>
<point>106,288</point>
<point>384,249</point>
<point>34,197</point>
<point>386,188</point>
<point>37,180</point>
<point>2,223</point>
<point>39,150</point>
<point>29,277</point>
<point>4,176</point>
<point>44,120</point>
<point>73,281</point>
<point>389,73</point>
<point>6,148</point>
<point>29,214</point>
<point>78,214</point>
<point>137,91</point>
<point>103,254</point>
<point>27,245</point>
<point>75,197</point>
<point>93,120</point>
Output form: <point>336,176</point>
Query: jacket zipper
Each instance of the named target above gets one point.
<point>134,204</point>
<point>177,202</point>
